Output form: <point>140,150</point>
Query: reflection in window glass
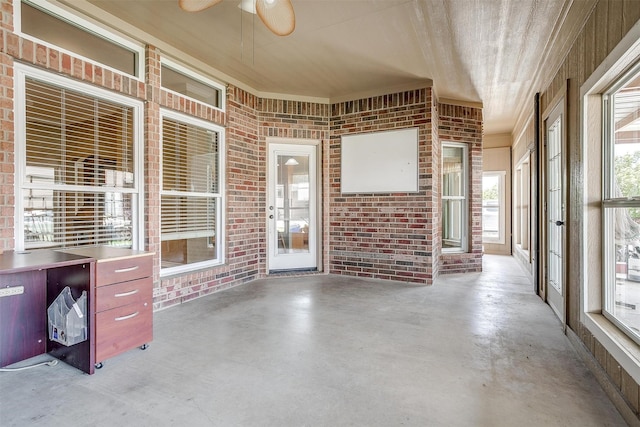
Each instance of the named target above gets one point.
<point>186,85</point>
<point>622,205</point>
<point>78,185</point>
<point>493,207</point>
<point>190,197</point>
<point>67,35</point>
<point>292,203</point>
<point>454,203</point>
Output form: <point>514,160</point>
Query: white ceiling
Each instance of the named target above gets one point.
<point>478,51</point>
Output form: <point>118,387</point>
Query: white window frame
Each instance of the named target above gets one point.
<point>464,229</point>
<point>623,348</point>
<point>522,201</point>
<point>501,211</point>
<point>21,72</point>
<point>611,202</point>
<point>196,76</point>
<point>220,220</point>
<point>82,23</point>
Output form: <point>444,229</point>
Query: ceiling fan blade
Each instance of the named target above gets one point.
<point>196,5</point>
<point>277,15</point>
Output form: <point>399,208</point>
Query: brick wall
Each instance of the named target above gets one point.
<point>242,247</point>
<point>242,169</point>
<point>245,188</point>
<point>152,158</point>
<point>393,236</point>
<point>464,124</point>
<point>244,191</point>
<point>386,236</point>
<point>435,189</point>
<point>297,120</point>
<point>293,119</point>
<point>249,122</point>
<point>7,198</point>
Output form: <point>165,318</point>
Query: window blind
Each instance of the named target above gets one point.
<point>190,181</point>
<point>78,180</point>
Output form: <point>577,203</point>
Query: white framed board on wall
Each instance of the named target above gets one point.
<point>380,162</point>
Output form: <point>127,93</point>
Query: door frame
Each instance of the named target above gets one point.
<point>293,142</point>
<point>557,106</point>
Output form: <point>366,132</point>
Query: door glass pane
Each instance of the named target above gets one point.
<point>292,203</point>
<point>555,205</point>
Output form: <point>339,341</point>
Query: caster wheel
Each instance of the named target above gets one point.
<point>99,365</point>
<point>144,346</point>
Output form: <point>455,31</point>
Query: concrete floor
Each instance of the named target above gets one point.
<point>472,350</point>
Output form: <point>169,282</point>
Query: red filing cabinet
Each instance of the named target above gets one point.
<point>29,282</point>
<point>123,300</point>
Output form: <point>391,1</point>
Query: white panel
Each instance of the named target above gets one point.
<point>381,162</point>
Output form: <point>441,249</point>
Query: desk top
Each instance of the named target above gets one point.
<point>105,253</point>
<point>13,262</point>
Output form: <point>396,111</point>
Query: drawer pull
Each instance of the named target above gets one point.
<point>126,294</point>
<point>117,319</point>
<point>126,270</point>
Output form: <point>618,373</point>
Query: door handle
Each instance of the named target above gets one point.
<point>559,223</point>
<point>270,216</point>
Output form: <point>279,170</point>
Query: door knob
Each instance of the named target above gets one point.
<point>270,216</point>
<point>559,223</point>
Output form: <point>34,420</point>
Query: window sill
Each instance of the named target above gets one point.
<point>182,270</point>
<point>624,350</point>
<point>453,251</point>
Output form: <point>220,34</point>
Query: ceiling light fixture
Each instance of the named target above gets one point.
<point>248,6</point>
<point>277,15</point>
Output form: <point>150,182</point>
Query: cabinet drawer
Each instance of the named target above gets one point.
<point>125,293</point>
<point>123,269</point>
<point>122,329</point>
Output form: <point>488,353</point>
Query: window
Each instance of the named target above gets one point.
<point>44,22</point>
<point>522,196</point>
<point>454,197</point>
<point>621,203</point>
<point>493,200</point>
<point>179,79</point>
<point>77,164</point>
<point>191,196</point>
<point>600,281</point>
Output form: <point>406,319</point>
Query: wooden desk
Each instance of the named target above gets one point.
<point>123,299</point>
<point>43,274</point>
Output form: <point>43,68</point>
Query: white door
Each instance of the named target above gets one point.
<point>292,205</point>
<point>555,232</point>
